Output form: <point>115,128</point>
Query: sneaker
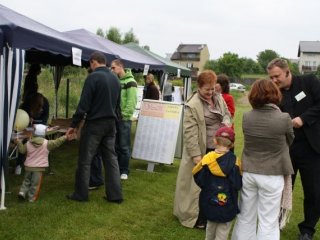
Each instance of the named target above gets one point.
<point>124,176</point>
<point>21,196</point>
<point>18,170</point>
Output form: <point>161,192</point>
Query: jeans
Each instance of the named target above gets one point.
<point>31,184</point>
<point>123,145</point>
<point>97,133</point>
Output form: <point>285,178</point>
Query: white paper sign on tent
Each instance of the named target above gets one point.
<point>76,56</point>
<point>146,70</point>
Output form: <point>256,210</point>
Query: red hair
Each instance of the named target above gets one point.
<point>206,77</point>
<point>264,91</point>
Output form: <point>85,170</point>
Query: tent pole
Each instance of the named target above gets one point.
<point>3,190</point>
<point>67,97</point>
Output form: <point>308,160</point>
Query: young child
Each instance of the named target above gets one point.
<point>37,151</point>
<point>218,175</point>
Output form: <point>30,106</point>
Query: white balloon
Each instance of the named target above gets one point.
<point>22,120</point>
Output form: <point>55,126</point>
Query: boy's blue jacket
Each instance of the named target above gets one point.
<point>219,177</point>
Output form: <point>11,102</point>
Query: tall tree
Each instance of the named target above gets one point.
<point>114,35</point>
<point>265,57</point>
<point>230,64</point>
<point>130,37</point>
<point>212,65</point>
<point>250,66</point>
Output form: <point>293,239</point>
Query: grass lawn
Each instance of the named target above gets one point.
<point>146,212</point>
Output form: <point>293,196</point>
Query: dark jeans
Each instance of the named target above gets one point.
<point>96,178</point>
<point>307,162</point>
<point>167,98</point>
<point>97,133</point>
<point>123,145</point>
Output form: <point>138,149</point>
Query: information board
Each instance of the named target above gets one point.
<point>157,131</point>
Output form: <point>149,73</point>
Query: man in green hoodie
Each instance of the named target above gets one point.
<point>128,105</point>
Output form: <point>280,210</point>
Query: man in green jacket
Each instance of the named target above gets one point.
<point>128,105</point>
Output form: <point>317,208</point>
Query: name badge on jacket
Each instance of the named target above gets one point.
<point>300,96</point>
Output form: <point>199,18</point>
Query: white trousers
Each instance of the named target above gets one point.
<point>260,200</point>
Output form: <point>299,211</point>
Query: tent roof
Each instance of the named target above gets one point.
<point>170,67</point>
<point>42,44</point>
<point>131,59</point>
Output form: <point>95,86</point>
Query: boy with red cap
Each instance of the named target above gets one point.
<point>218,175</point>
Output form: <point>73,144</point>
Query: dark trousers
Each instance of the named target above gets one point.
<point>307,162</point>
<point>96,178</point>
<point>97,133</point>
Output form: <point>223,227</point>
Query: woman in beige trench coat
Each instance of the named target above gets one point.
<point>205,112</point>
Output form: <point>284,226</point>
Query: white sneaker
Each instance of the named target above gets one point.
<point>21,196</point>
<point>124,176</point>
<point>18,170</point>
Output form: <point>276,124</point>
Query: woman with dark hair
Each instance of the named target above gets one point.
<point>223,87</point>
<point>205,112</point>
<point>34,103</point>
<point>150,90</point>
<point>267,133</point>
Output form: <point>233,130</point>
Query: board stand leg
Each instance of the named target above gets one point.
<point>150,167</point>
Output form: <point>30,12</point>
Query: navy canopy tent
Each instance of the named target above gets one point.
<point>23,39</point>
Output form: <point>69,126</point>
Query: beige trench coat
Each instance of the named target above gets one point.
<point>186,207</point>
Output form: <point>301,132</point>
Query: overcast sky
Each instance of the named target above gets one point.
<point>245,27</point>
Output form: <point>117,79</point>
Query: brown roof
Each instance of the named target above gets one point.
<point>187,48</point>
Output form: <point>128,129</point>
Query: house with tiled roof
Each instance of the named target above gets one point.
<point>193,56</point>
<point>309,56</point>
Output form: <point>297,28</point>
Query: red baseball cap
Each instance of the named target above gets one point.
<point>226,132</point>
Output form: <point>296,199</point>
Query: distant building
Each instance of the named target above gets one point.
<point>193,56</point>
<point>309,54</point>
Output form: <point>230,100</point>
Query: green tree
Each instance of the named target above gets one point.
<point>114,35</point>
<point>212,65</point>
<point>265,57</point>
<point>250,66</point>
<point>130,37</point>
<point>100,32</point>
<point>230,64</point>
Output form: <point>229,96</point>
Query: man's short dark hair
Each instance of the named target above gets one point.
<point>118,62</point>
<point>99,57</point>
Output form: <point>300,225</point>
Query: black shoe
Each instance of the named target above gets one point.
<point>119,201</point>
<point>305,236</point>
<point>73,198</point>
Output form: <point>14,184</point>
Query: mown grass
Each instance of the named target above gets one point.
<point>146,212</point>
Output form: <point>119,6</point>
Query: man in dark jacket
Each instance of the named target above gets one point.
<point>99,100</point>
<point>301,99</point>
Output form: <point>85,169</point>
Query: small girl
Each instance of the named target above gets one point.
<point>37,150</point>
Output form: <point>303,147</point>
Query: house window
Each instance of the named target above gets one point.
<point>191,55</point>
